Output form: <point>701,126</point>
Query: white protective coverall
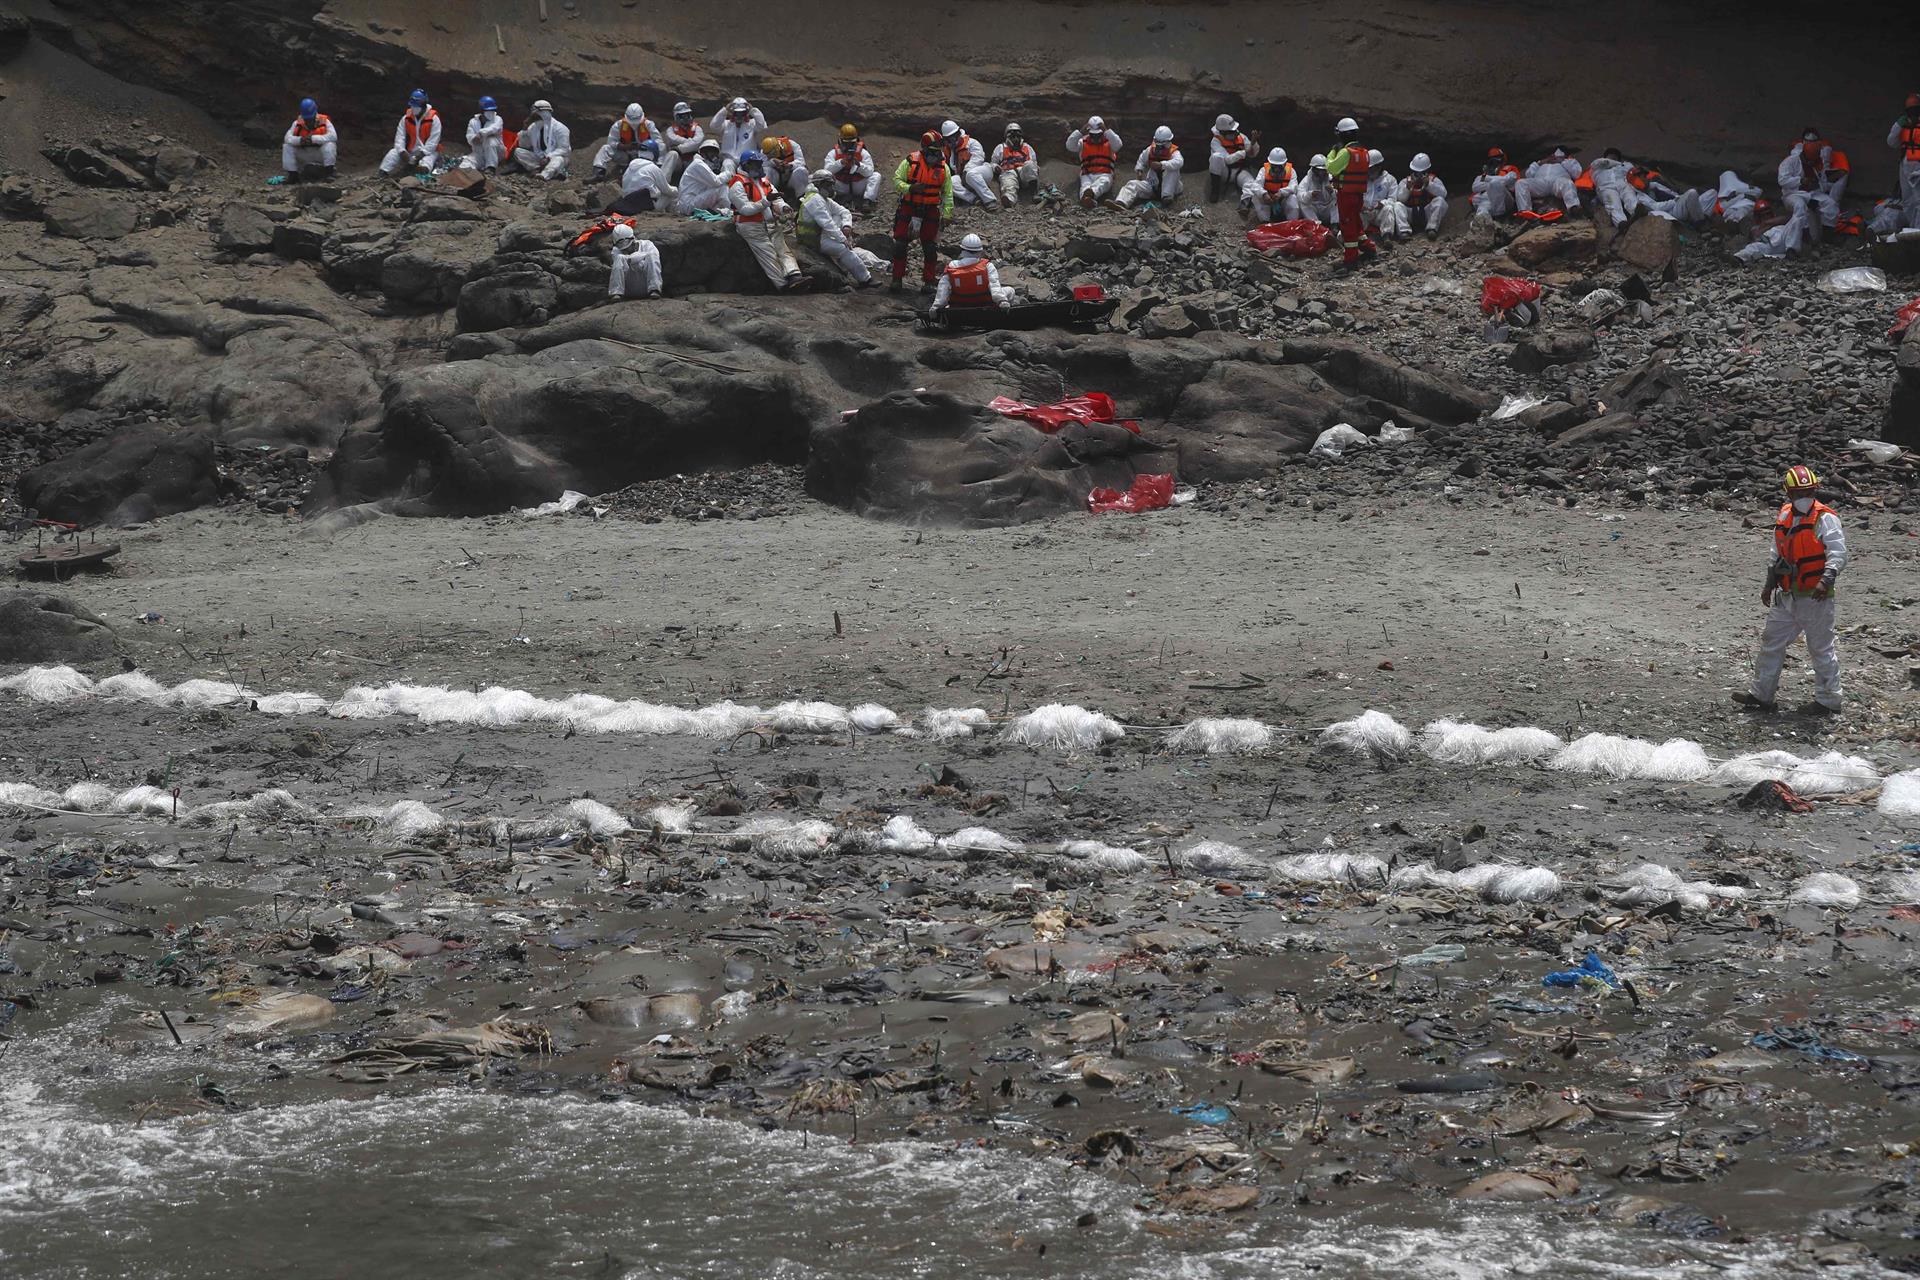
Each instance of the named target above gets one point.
<point>757,222</point>
<point>1908,196</point>
<point>791,178</point>
<point>423,154</point>
<point>972,174</point>
<point>322,146</point>
<point>1317,198</point>
<point>1812,203</point>
<point>833,220</point>
<point>1496,195</point>
<point>943,293</point>
<point>1381,208</point>
<point>636,270</point>
<point>1096,185</point>
<point>1619,198</point>
<point>1234,164</point>
<point>852,175</point>
<point>1550,179</point>
<point>1792,616</point>
<point>736,135</point>
<point>1425,203</point>
<point>643,173</point>
<point>1156,177</point>
<point>614,153</point>
<point>701,187</point>
<point>484,146</point>
<point>544,147</point>
<point>1013,172</point>
<point>682,147</point>
<point>1282,202</point>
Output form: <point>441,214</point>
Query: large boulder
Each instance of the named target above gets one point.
<point>35,627</point>
<point>1536,351</point>
<point>1238,421</point>
<point>1901,425</point>
<point>1648,244</point>
<point>1656,382</point>
<point>934,458</point>
<point>85,215</point>
<point>135,474</point>
<point>243,228</point>
<point>1553,245</point>
<point>92,167</point>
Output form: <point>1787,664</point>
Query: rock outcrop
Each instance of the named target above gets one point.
<point>35,627</point>
<point>135,474</point>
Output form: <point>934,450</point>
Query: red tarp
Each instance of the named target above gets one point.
<point>1148,493</point>
<point>1300,238</point>
<point>1904,319</point>
<point>1498,293</point>
<point>1094,406</point>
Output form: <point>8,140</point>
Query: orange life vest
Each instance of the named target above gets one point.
<point>1232,142</point>
<point>969,281</point>
<point>420,129</point>
<point>1353,178</point>
<point>959,151</point>
<point>1640,179</point>
<point>1507,170</point>
<point>781,152</point>
<point>1585,181</point>
<point>849,155</point>
<point>1015,157</point>
<point>1799,547</point>
<point>679,132</point>
<point>1275,181</point>
<point>1162,154</point>
<point>925,181</point>
<point>1837,162</point>
<point>1910,140</point>
<point>630,137</point>
<point>1096,154</point>
<point>320,127</point>
<point>757,190</point>
<point>1418,193</point>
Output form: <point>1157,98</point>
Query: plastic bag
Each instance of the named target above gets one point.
<point>1500,293</point>
<point>1876,450</point>
<point>1337,439</point>
<point>1147,493</point>
<point>1904,319</point>
<point>1094,406</point>
<point>1391,434</point>
<point>1299,238</point>
<point>1600,304</point>
<point>1854,280</point>
<point>1514,406</point>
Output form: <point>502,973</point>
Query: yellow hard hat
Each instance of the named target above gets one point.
<point>1801,477</point>
<point>848,132</point>
<point>771,145</point>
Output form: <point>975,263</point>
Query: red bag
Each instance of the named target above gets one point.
<point>1904,320</point>
<point>1299,238</point>
<point>1147,493</point>
<point>1094,406</point>
<point>1498,293</point>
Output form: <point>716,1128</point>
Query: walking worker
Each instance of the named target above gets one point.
<point>925,185</point>
<point>1809,552</point>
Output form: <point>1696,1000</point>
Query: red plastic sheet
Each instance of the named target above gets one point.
<point>1497,293</point>
<point>1094,406</point>
<point>1300,238</point>
<point>1904,320</point>
<point>1147,493</point>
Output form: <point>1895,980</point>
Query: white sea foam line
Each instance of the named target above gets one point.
<point>1056,726</point>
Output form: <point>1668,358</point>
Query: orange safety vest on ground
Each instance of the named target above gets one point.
<point>1796,543</point>
<point>1096,155</point>
<point>1354,177</point>
<point>925,180</point>
<point>1274,181</point>
<point>758,189</point>
<point>969,281</point>
<point>1015,157</point>
<point>419,128</point>
<point>319,128</point>
<point>630,137</point>
<point>1910,140</point>
<point>1585,181</point>
<point>1417,193</point>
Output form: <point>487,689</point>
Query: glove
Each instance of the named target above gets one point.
<point>1824,590</point>
<point>1766,595</point>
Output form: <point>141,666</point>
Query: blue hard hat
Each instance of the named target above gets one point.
<point>652,147</point>
<point>417,98</point>
<point>752,157</point>
<point>487,103</point>
<point>309,108</point>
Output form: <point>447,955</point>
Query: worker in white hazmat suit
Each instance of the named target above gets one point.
<point>416,139</point>
<point>834,222</point>
<point>1380,205</point>
<point>849,173</point>
<point>645,174</point>
<point>1316,195</point>
<point>683,138</point>
<point>737,126</point>
<point>967,161</point>
<point>1809,554</point>
<point>1619,199</point>
<point>636,267</point>
<point>624,137</point>
<point>702,184</point>
<point>1813,178</point>
<point>486,130</point>
<point>1423,196</point>
<point>1496,190</point>
<point>1156,172</point>
<point>1273,196</point>
<point>786,166</point>
<point>1016,166</point>
<point>970,280</point>
<point>1550,178</point>
<point>1904,138</point>
<point>1096,149</point>
<point>758,215</point>
<point>1232,161</point>
<point>545,146</point>
<point>310,140</point>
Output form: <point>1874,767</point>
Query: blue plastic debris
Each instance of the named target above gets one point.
<point>1593,971</point>
<point>1204,1113</point>
<point>1787,1040</point>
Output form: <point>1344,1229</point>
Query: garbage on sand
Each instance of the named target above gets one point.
<point>1091,406</point>
<point>1879,452</point>
<point>1337,439</point>
<point>1854,280</point>
<point>1903,320</point>
<point>1591,973</point>
<point>1776,796</point>
<point>1503,293</point>
<point>1298,238</point>
<point>1147,493</point>
<point>559,506</point>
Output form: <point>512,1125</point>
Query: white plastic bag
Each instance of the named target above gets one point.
<point>1337,439</point>
<point>1878,451</point>
<point>1855,280</point>
<point>1514,406</point>
<point>1600,304</point>
<point>1391,434</point>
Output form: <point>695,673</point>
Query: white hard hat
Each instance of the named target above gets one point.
<point>738,104</point>
<point>1375,159</point>
<point>1559,153</point>
<point>948,128</point>
<point>972,244</point>
<point>679,107</point>
<point>1318,162</point>
<point>1420,163</point>
<point>1163,134</point>
<point>1095,124</point>
<point>1277,156</point>
<point>634,114</point>
<point>1347,124</point>
<point>1013,126</point>
<point>543,105</point>
<point>1225,124</point>
<point>622,233</point>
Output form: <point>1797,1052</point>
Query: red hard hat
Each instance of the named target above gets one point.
<point>930,139</point>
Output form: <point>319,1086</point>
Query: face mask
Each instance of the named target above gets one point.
<point>1803,505</point>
